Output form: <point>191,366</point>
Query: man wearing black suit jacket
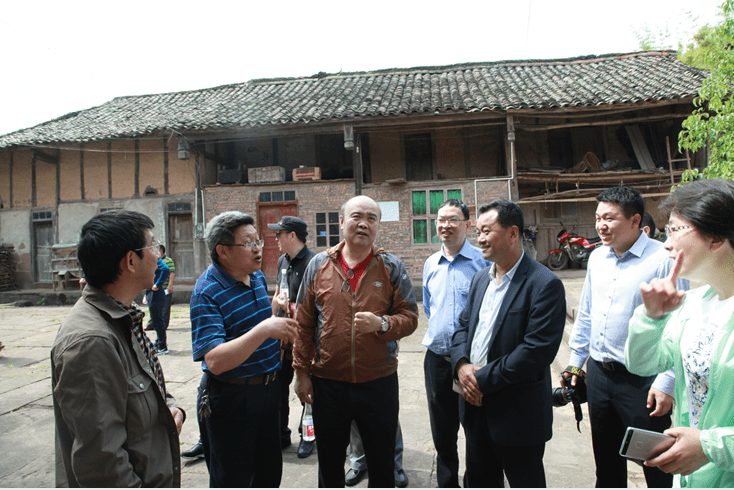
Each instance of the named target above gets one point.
<point>508,335</point>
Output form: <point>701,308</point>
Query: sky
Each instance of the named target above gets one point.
<point>60,57</point>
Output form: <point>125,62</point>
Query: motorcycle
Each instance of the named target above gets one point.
<point>574,248</point>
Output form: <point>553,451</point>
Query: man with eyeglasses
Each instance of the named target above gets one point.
<point>291,233</point>
<point>116,425</point>
<point>447,275</point>
<point>617,398</point>
<point>237,339</point>
<point>355,302</point>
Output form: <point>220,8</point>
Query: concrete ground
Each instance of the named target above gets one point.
<point>27,424</point>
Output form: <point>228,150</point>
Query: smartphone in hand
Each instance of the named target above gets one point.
<point>641,444</point>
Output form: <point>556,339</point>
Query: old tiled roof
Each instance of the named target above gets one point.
<point>494,86</point>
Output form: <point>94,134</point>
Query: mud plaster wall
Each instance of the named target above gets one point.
<point>69,179</point>
<point>123,170</point>
<point>181,173</point>
<point>151,165</point>
<point>22,181</point>
<point>450,163</point>
<point>5,179</point>
<point>385,156</point>
<point>95,171</point>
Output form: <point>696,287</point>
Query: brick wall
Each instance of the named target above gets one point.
<point>328,196</point>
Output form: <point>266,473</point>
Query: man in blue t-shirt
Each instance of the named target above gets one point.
<point>236,338</point>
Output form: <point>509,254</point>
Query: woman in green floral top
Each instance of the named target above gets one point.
<point>694,333</point>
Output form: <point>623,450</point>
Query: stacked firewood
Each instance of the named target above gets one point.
<point>7,267</point>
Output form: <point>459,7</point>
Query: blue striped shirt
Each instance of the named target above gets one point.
<point>445,289</point>
<point>223,309</point>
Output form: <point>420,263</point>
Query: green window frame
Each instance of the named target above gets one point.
<point>425,204</point>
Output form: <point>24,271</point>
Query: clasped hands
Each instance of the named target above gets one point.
<point>472,394</point>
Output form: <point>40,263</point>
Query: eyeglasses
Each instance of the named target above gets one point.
<point>255,243</point>
<point>450,221</point>
<point>156,244</point>
<point>669,230</point>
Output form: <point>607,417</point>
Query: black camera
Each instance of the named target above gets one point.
<point>571,394</point>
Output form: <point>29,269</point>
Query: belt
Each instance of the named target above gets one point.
<point>613,366</point>
<point>256,380</point>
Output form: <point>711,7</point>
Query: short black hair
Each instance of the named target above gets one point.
<point>628,199</point>
<point>457,204</point>
<point>708,204</point>
<point>508,213</point>
<point>163,249</point>
<point>106,239</point>
<point>648,221</point>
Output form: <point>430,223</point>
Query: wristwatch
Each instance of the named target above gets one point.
<point>385,325</point>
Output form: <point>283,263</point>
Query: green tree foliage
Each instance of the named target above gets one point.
<point>712,120</point>
<point>699,52</point>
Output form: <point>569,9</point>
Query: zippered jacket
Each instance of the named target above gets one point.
<point>328,345</point>
<point>654,346</point>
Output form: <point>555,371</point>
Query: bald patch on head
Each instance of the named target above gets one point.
<point>360,200</point>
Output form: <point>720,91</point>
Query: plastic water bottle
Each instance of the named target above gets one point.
<point>308,433</point>
<point>284,282</point>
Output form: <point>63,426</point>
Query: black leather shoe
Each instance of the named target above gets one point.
<point>305,448</point>
<point>401,479</point>
<point>285,442</point>
<point>354,476</point>
<point>195,452</point>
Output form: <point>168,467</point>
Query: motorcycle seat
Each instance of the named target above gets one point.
<point>594,240</point>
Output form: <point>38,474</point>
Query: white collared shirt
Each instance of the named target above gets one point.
<point>493,297</point>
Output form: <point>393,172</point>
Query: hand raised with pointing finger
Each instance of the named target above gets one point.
<point>661,296</point>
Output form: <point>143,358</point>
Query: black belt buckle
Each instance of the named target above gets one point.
<point>613,366</point>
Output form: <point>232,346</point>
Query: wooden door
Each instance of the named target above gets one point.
<point>271,213</point>
<point>181,245</point>
<point>43,241</point>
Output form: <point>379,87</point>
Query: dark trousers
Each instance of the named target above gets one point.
<point>285,376</point>
<point>443,410</point>
<point>487,462</point>
<point>241,437</point>
<point>156,300</point>
<point>617,400</point>
<point>167,309</point>
<point>374,407</point>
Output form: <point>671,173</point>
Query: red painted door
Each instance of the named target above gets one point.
<point>271,213</point>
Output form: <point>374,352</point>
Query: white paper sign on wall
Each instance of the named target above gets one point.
<point>390,210</point>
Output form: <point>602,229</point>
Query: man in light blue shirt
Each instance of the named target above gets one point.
<point>447,275</point>
<point>618,398</point>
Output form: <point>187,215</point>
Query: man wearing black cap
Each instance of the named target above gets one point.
<point>291,234</point>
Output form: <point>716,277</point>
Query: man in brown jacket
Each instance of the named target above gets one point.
<point>355,302</point>
<point>113,425</point>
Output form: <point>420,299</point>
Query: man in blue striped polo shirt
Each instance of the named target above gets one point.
<point>236,338</point>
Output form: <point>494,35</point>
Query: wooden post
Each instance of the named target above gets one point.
<point>670,159</point>
<point>511,162</point>
<point>357,165</point>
